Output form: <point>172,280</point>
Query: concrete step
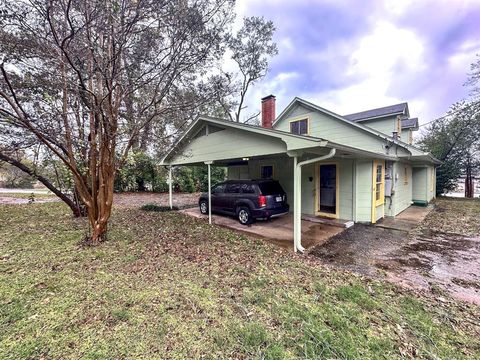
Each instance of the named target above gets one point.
<point>327,221</point>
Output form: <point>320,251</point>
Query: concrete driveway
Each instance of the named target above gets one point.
<point>278,230</point>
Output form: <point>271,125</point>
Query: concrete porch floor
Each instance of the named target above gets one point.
<point>407,219</point>
<point>278,230</point>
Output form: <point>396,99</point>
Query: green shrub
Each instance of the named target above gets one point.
<point>140,173</point>
<point>158,208</point>
<point>183,179</point>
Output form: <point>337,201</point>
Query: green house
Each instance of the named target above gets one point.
<point>359,167</point>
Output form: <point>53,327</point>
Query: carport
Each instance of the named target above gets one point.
<point>214,142</point>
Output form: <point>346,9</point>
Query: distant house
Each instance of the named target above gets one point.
<point>359,167</point>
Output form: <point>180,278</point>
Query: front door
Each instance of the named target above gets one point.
<point>327,194</point>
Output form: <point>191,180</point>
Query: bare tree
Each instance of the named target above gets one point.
<point>85,78</point>
<point>251,48</point>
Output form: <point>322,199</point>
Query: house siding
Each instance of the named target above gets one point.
<point>384,125</point>
<point>283,172</point>
<point>332,129</point>
<point>407,136</point>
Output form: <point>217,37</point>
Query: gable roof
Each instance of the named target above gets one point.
<point>293,141</point>
<point>415,151</point>
<point>338,117</point>
<point>397,109</point>
<point>410,123</point>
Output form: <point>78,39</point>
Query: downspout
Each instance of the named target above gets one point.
<point>297,222</point>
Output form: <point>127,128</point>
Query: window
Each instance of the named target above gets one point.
<point>266,171</point>
<point>405,175</point>
<point>379,183</point>
<point>219,189</point>
<point>299,127</point>
<point>271,188</point>
<point>233,188</point>
<point>248,189</point>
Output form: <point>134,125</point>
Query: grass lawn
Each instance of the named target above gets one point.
<point>27,195</point>
<point>455,215</point>
<point>168,286</point>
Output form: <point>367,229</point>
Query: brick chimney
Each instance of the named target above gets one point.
<point>268,111</point>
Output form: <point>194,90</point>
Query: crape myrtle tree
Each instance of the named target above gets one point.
<point>85,78</point>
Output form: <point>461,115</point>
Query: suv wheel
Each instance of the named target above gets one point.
<point>203,207</point>
<point>244,215</point>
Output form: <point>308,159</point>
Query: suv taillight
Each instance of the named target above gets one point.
<point>262,201</point>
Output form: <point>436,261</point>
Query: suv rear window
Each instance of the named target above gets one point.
<point>270,188</point>
<point>248,189</point>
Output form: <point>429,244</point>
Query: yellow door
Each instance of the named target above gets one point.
<point>378,182</point>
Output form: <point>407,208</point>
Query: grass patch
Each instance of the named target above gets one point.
<point>27,195</point>
<point>455,216</point>
<point>165,285</point>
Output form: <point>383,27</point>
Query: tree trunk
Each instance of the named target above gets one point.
<point>469,180</point>
<point>75,207</point>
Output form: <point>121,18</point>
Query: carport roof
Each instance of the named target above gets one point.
<point>292,141</point>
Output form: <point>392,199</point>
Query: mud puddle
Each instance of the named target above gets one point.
<point>430,260</point>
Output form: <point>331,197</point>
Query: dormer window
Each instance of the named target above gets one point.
<point>299,127</point>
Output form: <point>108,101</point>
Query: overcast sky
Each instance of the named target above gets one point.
<point>349,56</point>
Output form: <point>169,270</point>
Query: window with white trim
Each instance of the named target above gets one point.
<point>299,127</point>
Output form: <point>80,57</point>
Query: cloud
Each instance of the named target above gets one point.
<point>349,56</point>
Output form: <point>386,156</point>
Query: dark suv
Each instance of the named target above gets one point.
<point>247,199</point>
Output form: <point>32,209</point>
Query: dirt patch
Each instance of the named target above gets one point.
<point>356,247</point>
<point>424,260</point>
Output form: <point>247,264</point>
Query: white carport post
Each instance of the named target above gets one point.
<point>170,185</point>
<point>209,192</point>
<point>296,210</point>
